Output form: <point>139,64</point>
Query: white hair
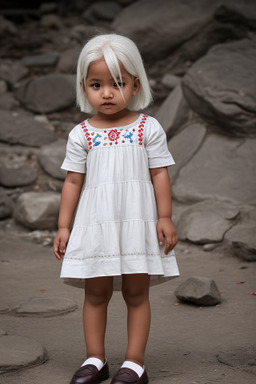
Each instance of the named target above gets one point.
<point>114,49</point>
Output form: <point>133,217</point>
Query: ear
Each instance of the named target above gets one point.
<point>136,86</point>
<point>83,87</point>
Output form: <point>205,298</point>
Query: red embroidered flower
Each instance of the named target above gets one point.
<point>113,135</point>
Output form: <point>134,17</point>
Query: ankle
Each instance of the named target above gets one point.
<point>138,362</point>
<point>134,366</point>
<point>98,363</point>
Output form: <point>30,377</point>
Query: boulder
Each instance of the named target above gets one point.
<point>222,168</point>
<point>46,307</point>
<point>48,93</point>
<point>173,113</point>
<point>17,177</point>
<point>18,352</point>
<point>51,157</point>
<point>159,27</point>
<point>22,128</point>
<point>232,20</point>
<point>239,13</point>
<point>242,241</point>
<point>199,290</point>
<point>43,60</point>
<point>30,41</point>
<point>38,210</point>
<point>184,145</point>
<point>206,222</point>
<point>221,88</point>
<point>12,71</point>
<point>68,60</point>
<point>102,10</point>
<point>170,81</point>
<point>82,32</point>
<point>238,357</point>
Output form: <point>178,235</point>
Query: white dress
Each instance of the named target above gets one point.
<point>114,230</point>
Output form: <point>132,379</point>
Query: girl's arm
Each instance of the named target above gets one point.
<point>163,193</point>
<point>69,199</point>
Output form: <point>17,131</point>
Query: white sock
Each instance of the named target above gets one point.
<point>135,367</point>
<point>94,361</point>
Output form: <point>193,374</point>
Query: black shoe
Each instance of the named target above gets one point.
<point>89,374</point>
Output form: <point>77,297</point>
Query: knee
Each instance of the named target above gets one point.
<point>98,296</point>
<point>134,297</point>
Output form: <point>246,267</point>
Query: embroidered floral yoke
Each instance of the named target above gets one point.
<point>114,231</point>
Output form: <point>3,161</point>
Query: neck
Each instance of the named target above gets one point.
<point>124,117</point>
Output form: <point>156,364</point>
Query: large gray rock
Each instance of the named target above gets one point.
<point>159,27</point>
<point>46,307</point>
<point>173,113</point>
<point>221,87</point>
<point>238,357</point>
<point>43,60</point>
<point>184,145</point>
<point>68,60</point>
<point>242,240</point>
<point>232,20</point>
<point>17,177</point>
<point>223,168</point>
<point>48,93</point>
<point>199,290</point>
<point>170,81</point>
<point>102,10</point>
<point>38,210</point>
<point>51,157</point>
<point>19,352</point>
<point>240,13</point>
<point>12,71</point>
<point>182,32</point>
<point>21,128</point>
<point>206,222</point>
<point>82,32</point>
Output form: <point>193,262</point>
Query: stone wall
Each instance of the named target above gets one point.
<point>200,57</point>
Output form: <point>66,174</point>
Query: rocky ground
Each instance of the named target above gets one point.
<point>200,57</point>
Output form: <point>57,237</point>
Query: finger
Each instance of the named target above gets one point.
<point>56,249</point>
<point>62,247</point>
<point>170,243</point>
<point>160,237</point>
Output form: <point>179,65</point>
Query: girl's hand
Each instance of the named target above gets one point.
<point>60,242</point>
<point>165,229</point>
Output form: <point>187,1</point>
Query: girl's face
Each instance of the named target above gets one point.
<point>103,93</point>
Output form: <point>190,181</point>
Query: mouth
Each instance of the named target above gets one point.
<point>108,104</point>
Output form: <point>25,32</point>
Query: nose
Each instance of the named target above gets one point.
<point>107,93</point>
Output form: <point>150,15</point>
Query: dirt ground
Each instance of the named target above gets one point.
<point>185,339</point>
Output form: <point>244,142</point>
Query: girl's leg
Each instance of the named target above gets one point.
<point>135,291</point>
<point>98,292</point>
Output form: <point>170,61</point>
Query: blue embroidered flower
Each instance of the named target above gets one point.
<point>129,136</point>
<point>96,143</point>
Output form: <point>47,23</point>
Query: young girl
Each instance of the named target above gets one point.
<point>123,224</point>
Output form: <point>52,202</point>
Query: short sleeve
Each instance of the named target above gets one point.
<point>156,145</point>
<point>76,152</point>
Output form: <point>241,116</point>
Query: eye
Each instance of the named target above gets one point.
<point>120,85</point>
<point>95,85</point>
